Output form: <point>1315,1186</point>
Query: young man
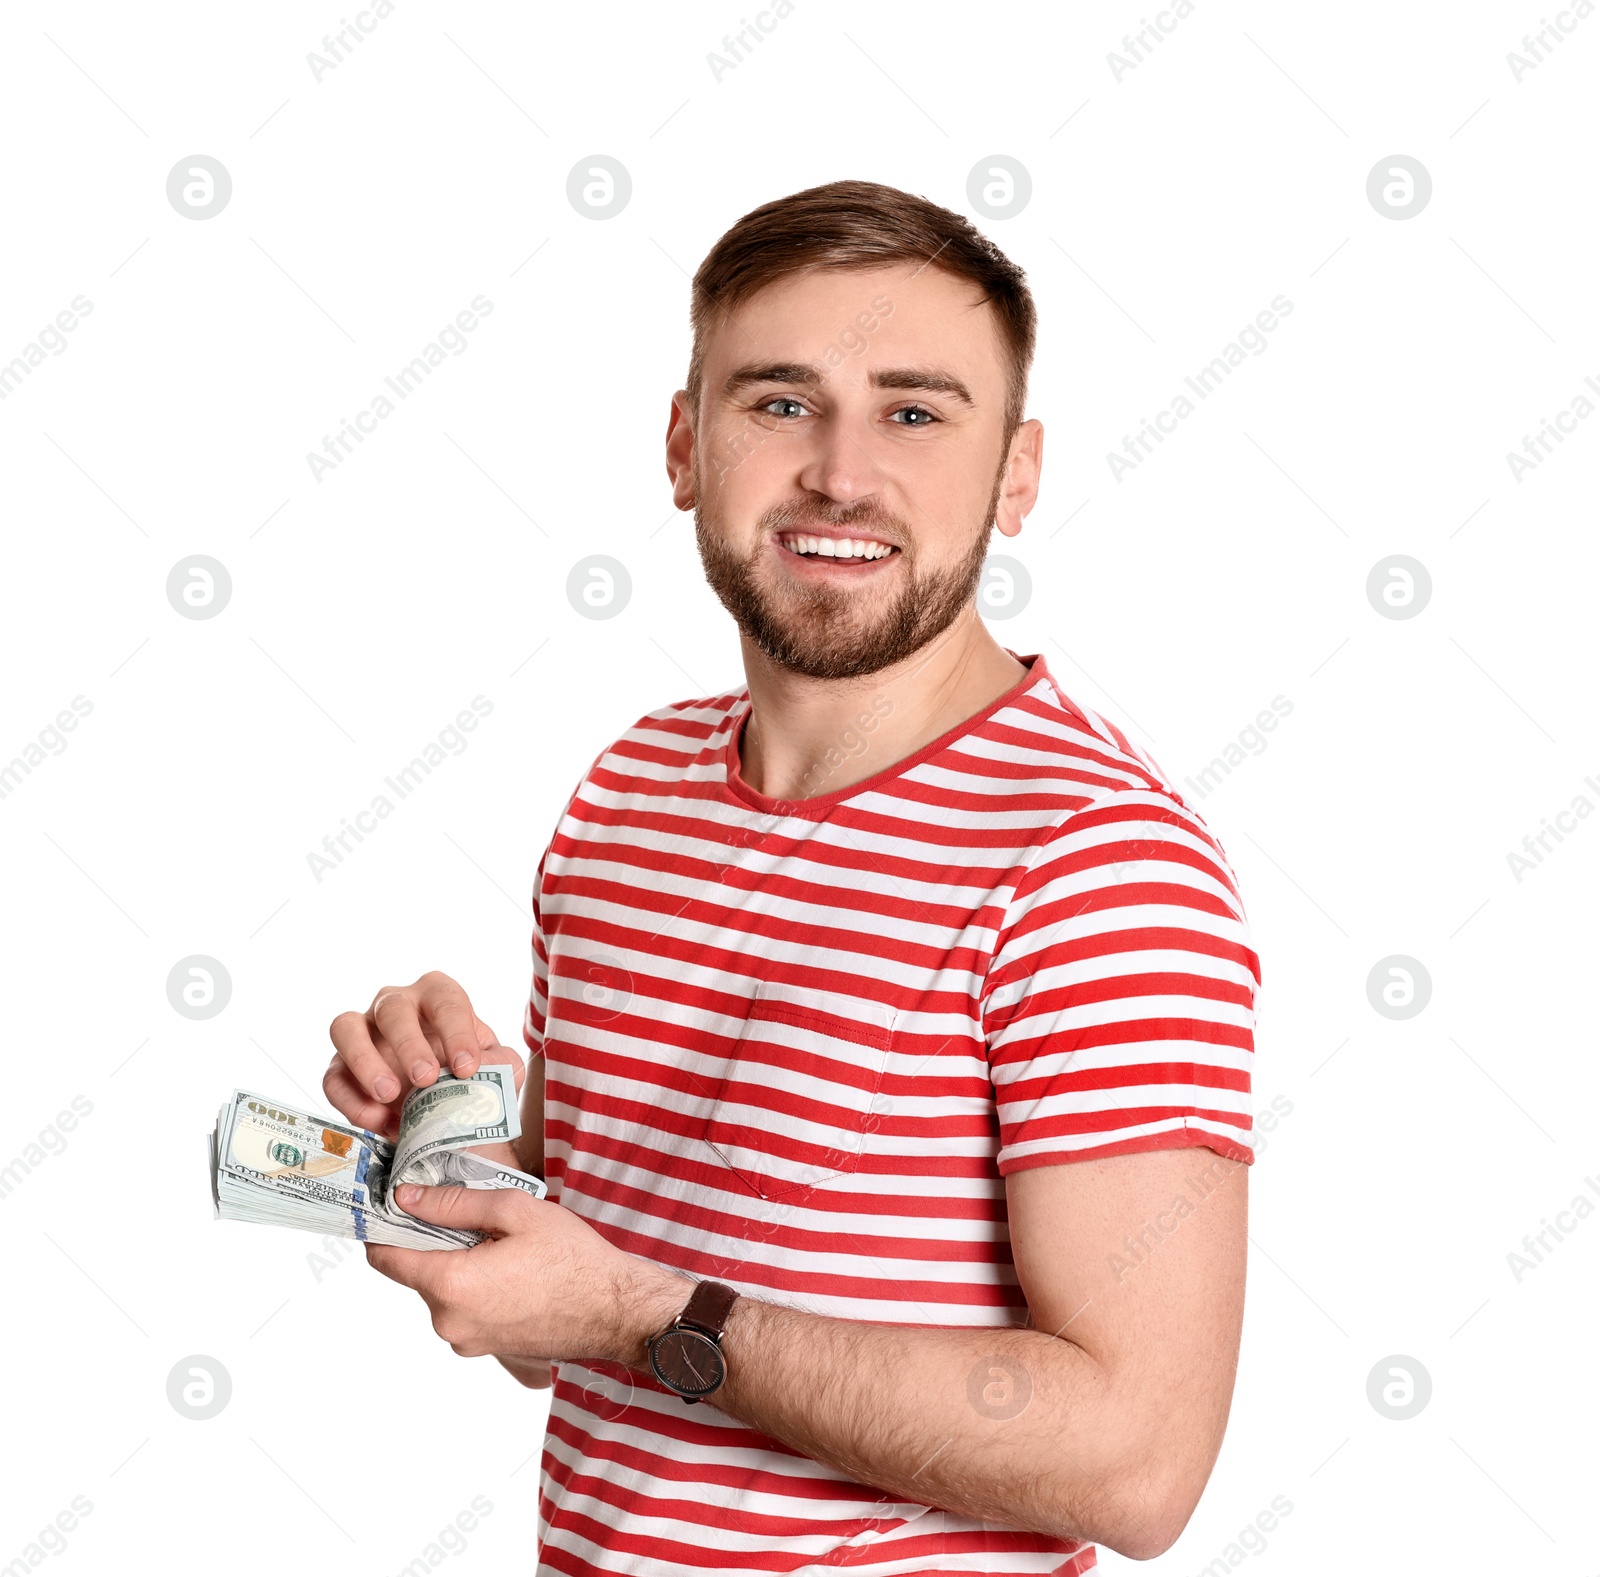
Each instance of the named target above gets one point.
<point>894,999</point>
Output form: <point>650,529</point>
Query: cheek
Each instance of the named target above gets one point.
<point>736,448</point>
<point>752,478</point>
<point>947,484</point>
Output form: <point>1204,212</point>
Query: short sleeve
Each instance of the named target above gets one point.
<point>533,1020</point>
<point>1119,1007</point>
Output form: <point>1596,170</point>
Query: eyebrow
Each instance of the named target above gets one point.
<point>929,380</point>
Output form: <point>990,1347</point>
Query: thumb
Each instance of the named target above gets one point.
<point>452,1205</point>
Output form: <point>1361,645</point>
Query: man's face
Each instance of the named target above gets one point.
<point>847,463</point>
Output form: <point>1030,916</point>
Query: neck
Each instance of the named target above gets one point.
<point>810,737</point>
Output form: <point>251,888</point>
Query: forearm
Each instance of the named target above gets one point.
<point>1015,1427</point>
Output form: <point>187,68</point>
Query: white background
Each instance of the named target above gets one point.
<point>367,609</point>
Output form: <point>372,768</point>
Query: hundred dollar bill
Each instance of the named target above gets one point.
<point>273,1163</point>
<point>436,1122</point>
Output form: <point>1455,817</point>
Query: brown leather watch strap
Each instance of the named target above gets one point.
<point>708,1307</point>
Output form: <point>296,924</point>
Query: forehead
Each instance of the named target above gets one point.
<point>899,315</point>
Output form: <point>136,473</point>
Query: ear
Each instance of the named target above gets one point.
<point>680,452</point>
<point>1020,489</point>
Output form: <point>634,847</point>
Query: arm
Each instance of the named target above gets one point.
<point>1103,1418</point>
<point>1102,1421</point>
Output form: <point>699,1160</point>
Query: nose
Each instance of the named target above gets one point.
<point>839,465</point>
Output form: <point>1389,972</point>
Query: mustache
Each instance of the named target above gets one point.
<point>799,513</point>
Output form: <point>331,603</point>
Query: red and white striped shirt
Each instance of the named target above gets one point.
<point>796,1047</point>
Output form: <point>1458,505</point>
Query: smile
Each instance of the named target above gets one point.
<point>835,547</point>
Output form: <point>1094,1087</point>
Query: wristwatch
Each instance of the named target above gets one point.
<point>687,1356</point>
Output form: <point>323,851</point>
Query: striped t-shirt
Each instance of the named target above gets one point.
<point>796,1047</point>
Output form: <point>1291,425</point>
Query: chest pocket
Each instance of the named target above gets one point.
<point>797,1100</point>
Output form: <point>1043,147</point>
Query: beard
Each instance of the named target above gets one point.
<point>826,632</point>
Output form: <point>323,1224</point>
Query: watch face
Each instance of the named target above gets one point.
<point>688,1362</point>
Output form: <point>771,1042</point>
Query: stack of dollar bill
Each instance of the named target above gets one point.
<point>273,1163</point>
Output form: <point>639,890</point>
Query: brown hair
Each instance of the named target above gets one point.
<point>861,224</point>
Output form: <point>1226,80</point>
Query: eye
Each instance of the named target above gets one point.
<point>917,416</point>
<point>796,408</point>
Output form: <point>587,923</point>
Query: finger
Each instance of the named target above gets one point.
<point>477,1209</point>
<point>393,1015</point>
<point>416,1268</point>
<point>445,1006</point>
<point>369,1068</point>
<point>353,1102</point>
<point>499,1053</point>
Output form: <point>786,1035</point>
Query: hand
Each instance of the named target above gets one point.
<point>399,1044</point>
<point>546,1286</point>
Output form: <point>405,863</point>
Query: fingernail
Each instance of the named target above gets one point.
<point>421,1071</point>
<point>386,1088</point>
<point>408,1193</point>
<point>463,1062</point>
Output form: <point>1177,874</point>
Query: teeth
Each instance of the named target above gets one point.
<point>836,548</point>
